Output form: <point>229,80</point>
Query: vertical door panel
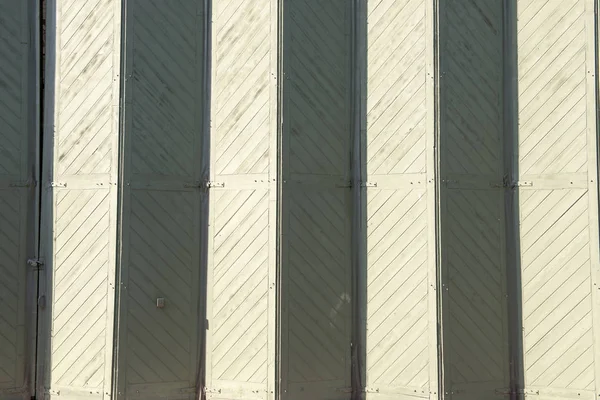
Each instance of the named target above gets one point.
<point>316,203</point>
<point>18,200</point>
<point>163,129</point>
<point>558,197</point>
<point>474,305</point>
<point>400,332</point>
<point>80,202</point>
<point>240,342</point>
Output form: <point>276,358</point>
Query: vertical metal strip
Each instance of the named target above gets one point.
<point>34,91</point>
<point>511,227</point>
<point>200,198</point>
<point>440,204</point>
<point>48,208</point>
<point>124,195</point>
<point>210,238</point>
<point>113,198</point>
<point>274,155</point>
<point>358,226</point>
<point>283,168</point>
<point>505,226</point>
<point>204,175</point>
<point>45,197</point>
<point>593,103</point>
<point>432,195</point>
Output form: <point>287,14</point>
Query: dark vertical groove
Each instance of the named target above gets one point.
<point>39,58</point>
<point>511,198</point>
<point>115,383</point>
<point>279,384</point>
<point>437,195</point>
<point>358,225</point>
<point>205,141</point>
<point>597,88</point>
<point>47,103</point>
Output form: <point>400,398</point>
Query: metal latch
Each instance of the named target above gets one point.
<point>36,263</point>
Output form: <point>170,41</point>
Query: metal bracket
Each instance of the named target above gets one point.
<point>204,185</point>
<point>57,184</point>
<point>523,184</point>
<point>160,302</point>
<point>368,184</point>
<point>214,184</point>
<point>36,263</point>
<point>370,390</point>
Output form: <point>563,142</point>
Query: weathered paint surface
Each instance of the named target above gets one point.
<point>79,199</point>
<point>18,124</point>
<point>558,208</point>
<point>240,336</point>
<point>473,262</point>
<point>295,200</point>
<point>162,122</point>
<point>400,335</point>
<point>316,202</point>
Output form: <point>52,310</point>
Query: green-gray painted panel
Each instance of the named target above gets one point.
<point>476,358</point>
<point>316,204</point>
<point>160,321</point>
<point>18,210</point>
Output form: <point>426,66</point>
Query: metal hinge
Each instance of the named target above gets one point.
<point>204,185</point>
<point>214,184</point>
<point>508,184</point>
<point>368,184</point>
<point>57,184</point>
<point>523,184</point>
<point>36,263</point>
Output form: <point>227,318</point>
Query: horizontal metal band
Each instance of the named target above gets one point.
<point>555,181</point>
<point>399,181</point>
<point>80,182</point>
